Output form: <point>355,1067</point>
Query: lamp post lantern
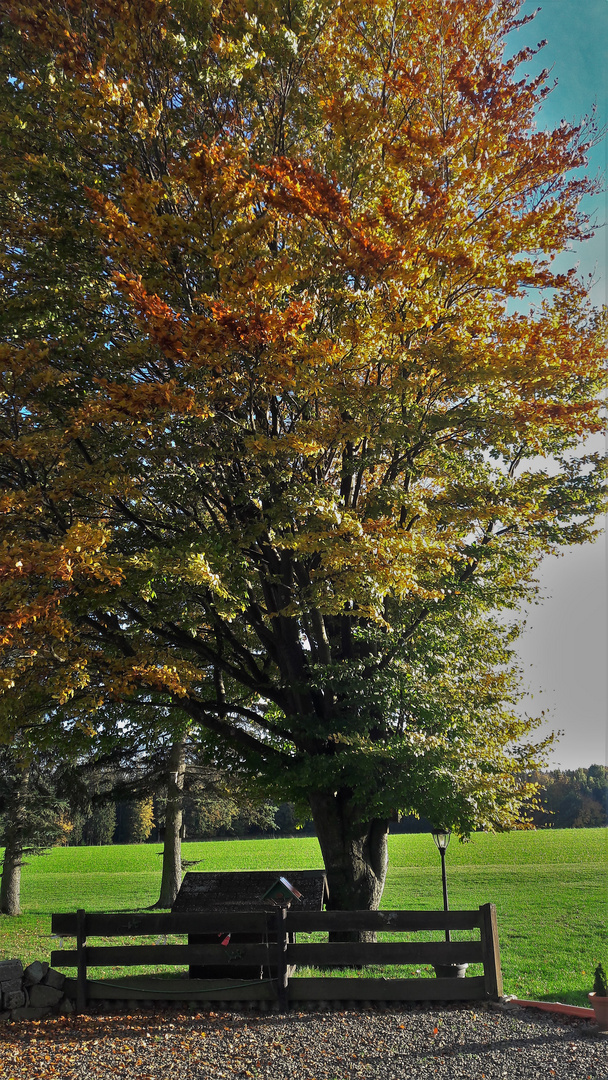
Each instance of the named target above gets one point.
<point>442,839</point>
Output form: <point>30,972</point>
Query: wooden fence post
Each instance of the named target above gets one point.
<point>282,975</point>
<point>491,952</point>
<point>81,973</point>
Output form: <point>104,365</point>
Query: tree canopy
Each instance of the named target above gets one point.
<point>282,345</point>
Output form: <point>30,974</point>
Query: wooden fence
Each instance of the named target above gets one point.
<point>278,951</point>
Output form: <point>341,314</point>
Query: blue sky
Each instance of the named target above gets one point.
<point>564,650</point>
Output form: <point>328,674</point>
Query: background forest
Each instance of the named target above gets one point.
<point>572,798</point>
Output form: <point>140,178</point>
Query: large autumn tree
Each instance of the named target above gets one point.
<point>281,347</point>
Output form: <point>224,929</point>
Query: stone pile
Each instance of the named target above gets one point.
<point>31,993</point>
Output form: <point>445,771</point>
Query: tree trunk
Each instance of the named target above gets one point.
<point>355,854</point>
<point>10,887</point>
<point>172,849</point>
<point>11,877</point>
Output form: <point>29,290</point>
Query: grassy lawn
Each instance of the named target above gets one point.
<point>550,889</point>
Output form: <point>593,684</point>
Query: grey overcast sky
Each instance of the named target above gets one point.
<point>564,649</point>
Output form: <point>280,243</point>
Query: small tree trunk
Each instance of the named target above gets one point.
<point>172,849</point>
<point>355,854</point>
<point>10,887</point>
<point>11,877</point>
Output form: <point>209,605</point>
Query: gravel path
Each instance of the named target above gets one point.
<point>450,1042</point>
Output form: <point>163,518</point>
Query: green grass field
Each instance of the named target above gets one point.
<point>550,889</point>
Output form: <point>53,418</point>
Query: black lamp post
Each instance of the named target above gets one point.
<point>442,839</point>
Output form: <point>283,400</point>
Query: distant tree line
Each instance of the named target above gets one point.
<point>46,802</point>
<point>140,820</point>
<point>568,799</point>
<point>572,798</point>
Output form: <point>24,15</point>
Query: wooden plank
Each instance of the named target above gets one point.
<point>315,954</point>
<point>282,974</point>
<point>309,921</point>
<point>141,923</point>
<point>183,955</point>
<point>126,924</point>
<point>491,951</point>
<point>81,961</point>
<point>385,952</point>
<point>147,988</point>
<point>336,989</point>
<point>64,958</point>
<point>64,924</point>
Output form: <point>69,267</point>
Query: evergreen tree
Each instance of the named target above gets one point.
<point>99,827</point>
<point>33,817</point>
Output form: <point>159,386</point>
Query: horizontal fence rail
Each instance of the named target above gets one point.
<point>274,947</point>
<point>142,924</point>
<point>352,953</point>
<point>148,923</point>
<point>391,921</point>
<point>154,955</point>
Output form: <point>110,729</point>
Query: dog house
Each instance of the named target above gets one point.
<point>244,890</point>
